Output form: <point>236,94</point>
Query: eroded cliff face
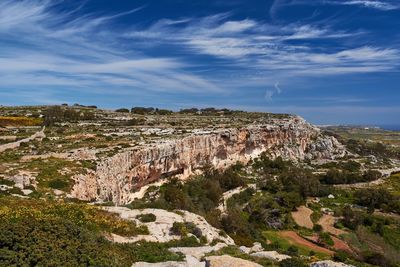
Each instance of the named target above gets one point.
<point>118,176</point>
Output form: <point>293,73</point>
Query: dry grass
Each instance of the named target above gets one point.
<point>20,121</point>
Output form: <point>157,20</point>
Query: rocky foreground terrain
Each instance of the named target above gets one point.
<point>149,187</point>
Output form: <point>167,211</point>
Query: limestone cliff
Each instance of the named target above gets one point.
<point>118,176</point>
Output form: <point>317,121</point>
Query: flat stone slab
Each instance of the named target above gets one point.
<point>272,255</point>
<point>229,261</point>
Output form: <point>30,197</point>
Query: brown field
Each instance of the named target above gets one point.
<point>302,217</point>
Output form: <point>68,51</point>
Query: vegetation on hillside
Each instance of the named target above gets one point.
<point>48,233</point>
<point>20,121</point>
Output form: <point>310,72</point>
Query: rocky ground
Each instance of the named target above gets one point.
<point>220,188</point>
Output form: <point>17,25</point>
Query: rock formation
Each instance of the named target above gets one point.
<point>118,176</point>
<point>160,229</point>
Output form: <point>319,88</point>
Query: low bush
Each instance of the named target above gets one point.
<point>6,182</point>
<point>145,218</point>
<point>325,238</point>
<point>293,262</point>
<point>183,229</point>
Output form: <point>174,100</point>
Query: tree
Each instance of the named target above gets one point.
<point>53,115</point>
<point>122,110</point>
<point>142,110</point>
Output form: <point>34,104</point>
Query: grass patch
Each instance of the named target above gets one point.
<point>54,173</point>
<point>9,156</point>
<point>90,217</point>
<point>392,184</point>
<point>283,244</point>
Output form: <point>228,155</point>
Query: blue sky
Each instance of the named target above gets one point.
<point>330,61</point>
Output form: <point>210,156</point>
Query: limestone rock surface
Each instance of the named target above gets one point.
<point>159,230</point>
<point>116,178</point>
<point>229,261</point>
<point>189,262</point>
<point>329,263</point>
<point>272,255</point>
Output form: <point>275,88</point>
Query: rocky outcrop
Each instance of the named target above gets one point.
<point>160,229</point>
<point>272,255</point>
<point>118,176</point>
<point>197,252</point>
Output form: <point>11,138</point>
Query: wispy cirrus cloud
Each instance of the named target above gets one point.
<point>43,47</point>
<point>269,93</point>
<point>280,49</point>
<point>383,5</point>
<point>45,50</point>
<point>380,5</point>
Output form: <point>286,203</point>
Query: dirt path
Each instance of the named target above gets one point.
<point>327,222</point>
<point>302,217</point>
<point>38,135</point>
<point>385,174</point>
<point>340,245</point>
<point>295,238</point>
<point>227,195</point>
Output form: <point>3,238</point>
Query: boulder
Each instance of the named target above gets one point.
<point>329,263</point>
<point>197,252</point>
<point>255,248</point>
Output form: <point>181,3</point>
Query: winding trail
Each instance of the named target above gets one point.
<point>228,194</point>
<point>385,174</point>
<point>295,238</point>
<point>38,135</point>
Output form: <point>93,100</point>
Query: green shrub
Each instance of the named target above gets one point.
<point>293,251</point>
<point>179,229</point>
<point>145,218</point>
<point>6,182</point>
<point>293,262</point>
<point>317,228</point>
<point>59,184</point>
<point>183,229</point>
<point>341,256</point>
<point>60,242</point>
<point>325,238</point>
<point>15,190</point>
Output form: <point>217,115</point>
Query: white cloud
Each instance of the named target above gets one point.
<point>269,93</point>
<point>381,5</point>
<point>254,45</point>
<point>41,47</point>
